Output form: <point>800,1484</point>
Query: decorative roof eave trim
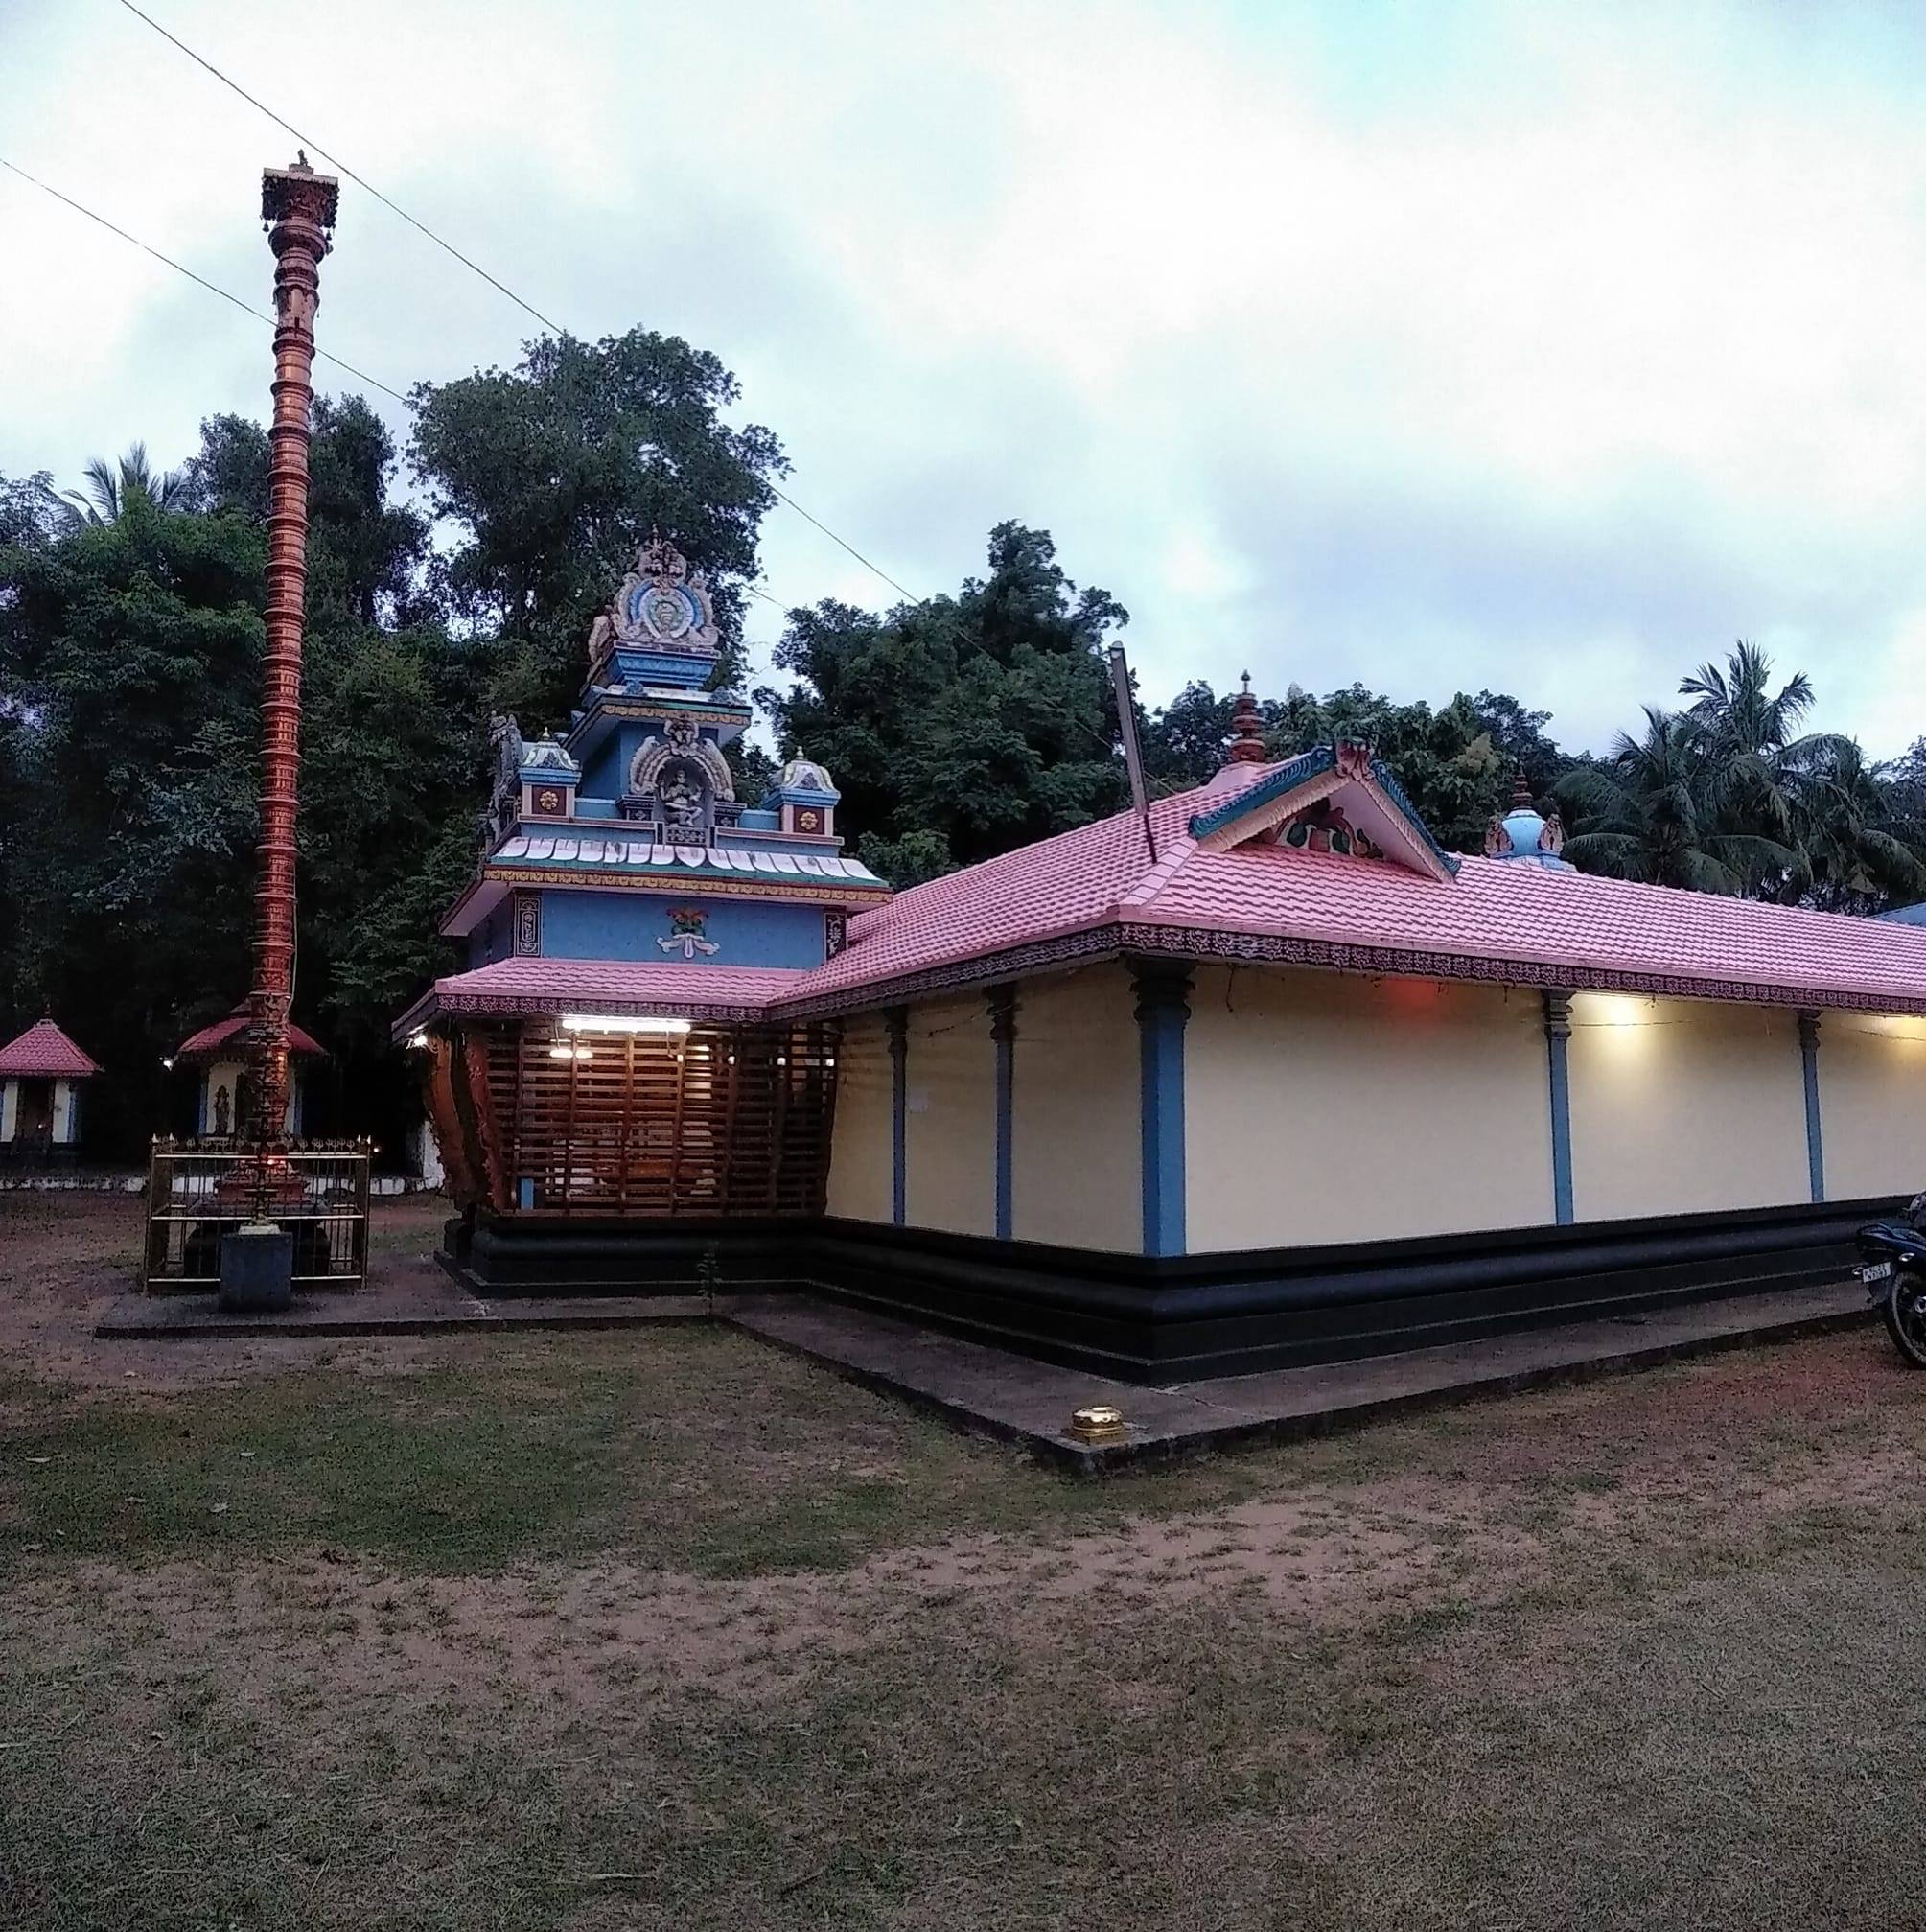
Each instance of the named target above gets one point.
<point>1415,962</point>
<point>698,881</point>
<point>1120,937</point>
<point>1241,805</point>
<point>432,1007</point>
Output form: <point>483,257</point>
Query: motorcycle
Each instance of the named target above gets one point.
<point>1894,1273</point>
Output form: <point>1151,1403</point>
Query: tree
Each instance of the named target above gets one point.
<point>555,471</point>
<point>962,726</point>
<point>1863,847</point>
<point>1647,814</point>
<point>129,661</point>
<point>111,487</point>
<point>129,655</point>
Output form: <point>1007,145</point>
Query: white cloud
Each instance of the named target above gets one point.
<point>1544,349</point>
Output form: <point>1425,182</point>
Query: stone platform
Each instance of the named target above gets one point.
<point>1019,1400</point>
<point>1031,1401</point>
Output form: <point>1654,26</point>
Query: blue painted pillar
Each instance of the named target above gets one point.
<point>1002,1030</point>
<point>1163,1007</point>
<point>1556,1037</point>
<point>897,1023</point>
<point>1815,1145</point>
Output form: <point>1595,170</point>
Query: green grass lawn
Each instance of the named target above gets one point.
<point>666,1629</point>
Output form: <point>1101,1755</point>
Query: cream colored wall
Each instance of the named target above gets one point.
<point>1324,1107</point>
<point>861,1175</point>
<point>1681,1106</point>
<point>1873,1103</point>
<point>9,1108</point>
<point>950,1130</point>
<point>1074,1114</point>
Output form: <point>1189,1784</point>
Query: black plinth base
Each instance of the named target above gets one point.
<point>1141,1318</point>
<point>257,1270</point>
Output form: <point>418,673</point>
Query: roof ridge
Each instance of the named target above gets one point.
<point>1178,852</point>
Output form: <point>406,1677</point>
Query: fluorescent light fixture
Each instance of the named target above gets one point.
<point>419,1039</point>
<point>614,1022</point>
<point>567,1052</point>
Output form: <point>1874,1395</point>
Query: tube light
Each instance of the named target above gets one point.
<point>611,1022</point>
<point>565,1052</point>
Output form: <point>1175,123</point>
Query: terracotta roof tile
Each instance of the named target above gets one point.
<point>605,986</point>
<point>43,1052</point>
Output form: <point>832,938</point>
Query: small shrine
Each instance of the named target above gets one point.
<point>217,1056</point>
<point>41,1074</point>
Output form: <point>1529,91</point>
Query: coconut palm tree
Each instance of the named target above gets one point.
<point>1861,850</point>
<point>112,486</point>
<point>1648,813</point>
<point>1754,761</point>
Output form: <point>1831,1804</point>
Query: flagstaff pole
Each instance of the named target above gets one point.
<point>299,206</point>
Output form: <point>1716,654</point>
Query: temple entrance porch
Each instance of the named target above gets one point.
<point>642,1117</point>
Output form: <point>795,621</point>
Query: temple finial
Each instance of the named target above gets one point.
<point>1520,787</point>
<point>1246,727</point>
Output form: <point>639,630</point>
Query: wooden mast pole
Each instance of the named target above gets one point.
<point>299,207</point>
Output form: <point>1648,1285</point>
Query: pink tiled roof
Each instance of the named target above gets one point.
<point>1095,889</point>
<point>43,1052</point>
<point>211,1038</point>
<point>554,986</point>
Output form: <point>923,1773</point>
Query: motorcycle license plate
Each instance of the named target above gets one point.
<point>1878,1271</point>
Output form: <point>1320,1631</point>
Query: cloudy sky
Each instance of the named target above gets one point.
<point>1543,347</point>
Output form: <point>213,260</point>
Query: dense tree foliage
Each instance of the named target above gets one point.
<point>556,469</point>
<point>961,725</point>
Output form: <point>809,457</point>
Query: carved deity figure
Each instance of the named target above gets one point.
<point>223,1112</point>
<point>679,794</point>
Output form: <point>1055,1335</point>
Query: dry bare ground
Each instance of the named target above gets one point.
<point>666,1630</point>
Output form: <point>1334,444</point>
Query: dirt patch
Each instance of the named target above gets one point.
<point>66,1257</point>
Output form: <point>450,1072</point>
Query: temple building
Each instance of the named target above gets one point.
<point>1263,1076</point>
<point>218,1057</point>
<point>41,1073</point>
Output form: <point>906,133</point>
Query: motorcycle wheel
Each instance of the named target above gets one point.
<point>1904,1313</point>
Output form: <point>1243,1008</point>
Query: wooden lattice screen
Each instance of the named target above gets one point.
<point>720,1120</point>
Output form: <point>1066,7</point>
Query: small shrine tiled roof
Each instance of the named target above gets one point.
<point>210,1039</point>
<point>622,986</point>
<point>43,1052</point>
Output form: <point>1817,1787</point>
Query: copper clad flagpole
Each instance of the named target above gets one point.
<point>299,206</point>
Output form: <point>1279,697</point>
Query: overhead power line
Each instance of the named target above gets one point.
<point>359,181</point>
<point>873,569</point>
<point>211,288</point>
<point>261,315</point>
<point>387,201</point>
